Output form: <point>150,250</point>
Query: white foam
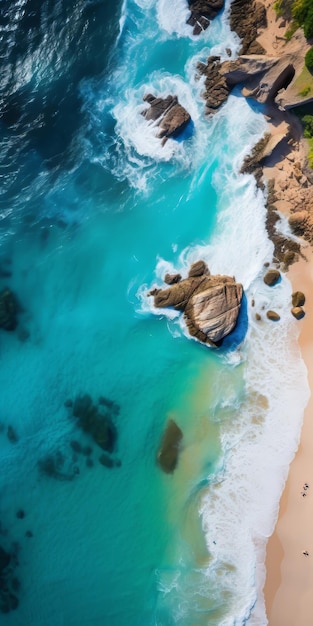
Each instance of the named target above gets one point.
<point>240,507</point>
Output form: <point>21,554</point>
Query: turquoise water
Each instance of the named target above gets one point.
<point>94,212</point>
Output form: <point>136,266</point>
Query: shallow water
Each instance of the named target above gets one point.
<point>94,212</point>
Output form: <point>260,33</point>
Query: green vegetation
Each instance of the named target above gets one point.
<point>298,13</point>
<point>302,13</point>
<point>309,60</point>
<point>305,115</point>
<point>305,91</point>
<point>304,83</point>
<point>307,122</point>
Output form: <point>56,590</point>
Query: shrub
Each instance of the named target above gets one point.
<point>302,12</point>
<point>309,59</point>
<point>304,92</point>
<point>307,120</point>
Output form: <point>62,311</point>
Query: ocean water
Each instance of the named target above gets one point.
<point>93,213</point>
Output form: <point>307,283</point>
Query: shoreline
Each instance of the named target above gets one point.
<point>289,572</point>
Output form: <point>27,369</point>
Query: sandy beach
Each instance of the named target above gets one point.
<point>289,560</point>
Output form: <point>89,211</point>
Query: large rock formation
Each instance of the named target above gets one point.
<point>171,117</point>
<point>216,89</point>
<point>201,12</point>
<point>246,17</point>
<point>262,76</point>
<point>210,304</point>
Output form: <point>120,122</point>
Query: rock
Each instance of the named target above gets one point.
<point>297,222</point>
<point>246,17</point>
<point>9,309</point>
<point>171,279</point>
<point>262,76</point>
<point>5,559</point>
<point>216,88</point>
<point>273,316</point>
<point>210,304</point>
<point>68,404</point>
<point>201,11</point>
<point>92,421</point>
<point>258,317</point>
<point>106,460</point>
<point>199,268</point>
<point>76,446</point>
<point>298,312</point>
<point>298,299</point>
<point>20,514</point>
<point>12,435</point>
<point>272,277</point>
<point>29,534</point>
<point>169,449</point>
<point>171,117</point>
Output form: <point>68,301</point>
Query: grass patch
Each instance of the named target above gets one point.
<point>304,82</point>
<point>305,91</point>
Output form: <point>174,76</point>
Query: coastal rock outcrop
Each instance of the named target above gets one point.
<point>298,298</point>
<point>171,117</point>
<point>201,12</point>
<point>169,449</point>
<point>263,77</point>
<point>298,312</point>
<point>273,316</point>
<point>246,18</point>
<point>210,304</point>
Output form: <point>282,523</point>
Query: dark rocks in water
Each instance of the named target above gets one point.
<point>169,449</point>
<point>5,559</point>
<point>76,446</point>
<point>258,317</point>
<point>273,316</point>
<point>20,514</point>
<point>298,298</point>
<point>11,435</point>
<point>210,304</point>
<point>172,279</point>
<point>29,534</point>
<point>100,427</point>
<point>246,18</point>
<point>272,277</point>
<point>201,12</point>
<point>9,309</point>
<point>216,89</point>
<point>68,404</point>
<point>8,602</point>
<point>53,466</point>
<point>171,117</point>
<point>108,461</point>
<point>298,312</point>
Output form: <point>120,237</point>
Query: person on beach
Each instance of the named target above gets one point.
<point>305,552</point>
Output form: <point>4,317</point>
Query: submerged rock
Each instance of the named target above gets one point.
<point>92,421</point>
<point>9,309</point>
<point>169,449</point>
<point>210,304</point>
<point>171,117</point>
